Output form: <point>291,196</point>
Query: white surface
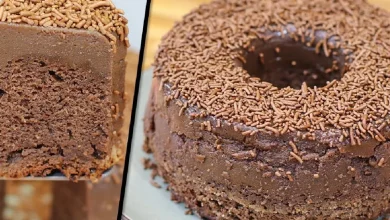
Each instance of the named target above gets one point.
<point>142,200</point>
<point>135,13</point>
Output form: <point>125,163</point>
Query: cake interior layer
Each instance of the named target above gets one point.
<point>61,101</point>
<point>52,117</point>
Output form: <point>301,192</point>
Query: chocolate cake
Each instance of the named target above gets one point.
<point>268,109</point>
<point>62,93</point>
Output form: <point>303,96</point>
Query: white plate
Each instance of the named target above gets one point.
<point>142,200</point>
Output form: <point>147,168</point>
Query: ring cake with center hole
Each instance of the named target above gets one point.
<point>275,110</point>
<point>62,91</point>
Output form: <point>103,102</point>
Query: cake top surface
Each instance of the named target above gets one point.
<point>93,15</point>
<point>196,62</point>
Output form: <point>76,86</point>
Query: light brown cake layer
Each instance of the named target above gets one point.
<point>61,101</point>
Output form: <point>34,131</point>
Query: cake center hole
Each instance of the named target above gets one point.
<point>287,63</point>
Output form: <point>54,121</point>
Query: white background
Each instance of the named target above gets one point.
<point>135,13</point>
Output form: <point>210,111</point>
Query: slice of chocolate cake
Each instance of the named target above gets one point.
<point>62,92</point>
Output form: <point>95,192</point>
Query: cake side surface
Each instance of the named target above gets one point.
<point>62,94</point>
<point>223,178</point>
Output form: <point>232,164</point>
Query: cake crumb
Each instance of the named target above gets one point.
<point>225,174</point>
<point>155,184</point>
<point>188,212</point>
<point>154,173</point>
<point>146,148</point>
<point>229,165</point>
<point>267,174</point>
<point>148,164</point>
<point>372,161</point>
<point>289,177</point>
<point>200,158</point>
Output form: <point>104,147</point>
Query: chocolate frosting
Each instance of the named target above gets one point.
<point>261,165</point>
<point>275,101</point>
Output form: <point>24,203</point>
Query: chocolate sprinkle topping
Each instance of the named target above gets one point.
<point>197,60</point>
<point>93,15</point>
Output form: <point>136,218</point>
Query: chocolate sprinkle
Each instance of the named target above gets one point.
<point>197,60</point>
<point>93,15</point>
<point>245,155</point>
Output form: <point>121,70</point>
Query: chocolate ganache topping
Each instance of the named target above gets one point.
<point>280,67</point>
